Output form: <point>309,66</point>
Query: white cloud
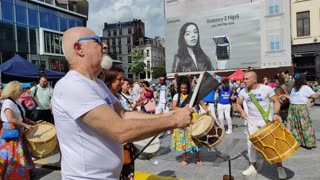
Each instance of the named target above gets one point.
<point>113,11</point>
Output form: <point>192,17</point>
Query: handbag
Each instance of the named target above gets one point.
<point>10,134</point>
<point>150,105</point>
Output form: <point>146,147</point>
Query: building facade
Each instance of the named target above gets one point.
<point>34,28</point>
<point>153,56</point>
<point>121,37</point>
<point>305,28</point>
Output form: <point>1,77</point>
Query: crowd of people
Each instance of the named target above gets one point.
<point>99,117</point>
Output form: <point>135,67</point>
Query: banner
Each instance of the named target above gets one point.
<point>222,35</point>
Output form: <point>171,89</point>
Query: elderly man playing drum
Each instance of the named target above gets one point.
<point>262,95</point>
<point>91,124</point>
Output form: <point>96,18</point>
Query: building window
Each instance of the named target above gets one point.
<point>43,17</point>
<point>7,11</point>
<point>303,23</point>
<point>274,41</point>
<point>120,58</point>
<point>129,31</point>
<point>273,7</point>
<point>115,32</point>
<point>72,22</point>
<point>114,50</point>
<point>120,32</point>
<point>33,17</point>
<point>108,41</point>
<point>148,53</point>
<point>33,40</point>
<point>109,33</point>
<point>119,41</point>
<point>22,38</point>
<point>129,59</point>
<point>129,49</point>
<point>119,50</point>
<point>21,15</point>
<point>63,21</point>
<point>128,40</point>
<point>53,20</point>
<point>113,41</point>
<point>148,65</point>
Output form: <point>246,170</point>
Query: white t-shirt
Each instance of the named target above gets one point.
<point>162,94</point>
<point>42,96</point>
<point>136,92</point>
<point>262,94</point>
<point>8,104</point>
<point>86,154</point>
<point>301,97</point>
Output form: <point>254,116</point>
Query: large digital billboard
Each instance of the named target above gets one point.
<point>221,35</point>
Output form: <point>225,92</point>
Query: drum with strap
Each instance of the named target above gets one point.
<point>274,142</point>
<point>42,140</point>
<point>206,132</point>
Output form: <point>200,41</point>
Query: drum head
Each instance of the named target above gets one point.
<point>152,148</point>
<point>41,132</point>
<point>201,125</point>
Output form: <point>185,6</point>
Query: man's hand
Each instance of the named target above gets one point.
<point>182,116</point>
<point>244,115</point>
<point>276,117</point>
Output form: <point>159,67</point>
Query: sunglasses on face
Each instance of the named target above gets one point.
<point>95,38</point>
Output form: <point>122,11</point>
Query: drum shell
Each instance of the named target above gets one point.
<point>211,135</point>
<point>274,142</point>
<point>41,148</point>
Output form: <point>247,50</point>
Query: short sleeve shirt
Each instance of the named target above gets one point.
<point>86,154</point>
<point>8,104</point>
<point>301,97</point>
<point>262,94</point>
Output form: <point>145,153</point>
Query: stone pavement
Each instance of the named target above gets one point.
<point>302,165</point>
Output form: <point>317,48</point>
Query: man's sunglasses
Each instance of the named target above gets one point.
<point>96,38</point>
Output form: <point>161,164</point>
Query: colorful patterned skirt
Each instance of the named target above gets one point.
<point>15,157</point>
<point>181,141</point>
<point>300,125</point>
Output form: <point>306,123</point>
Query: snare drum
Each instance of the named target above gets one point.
<point>274,142</point>
<point>42,140</point>
<point>206,132</point>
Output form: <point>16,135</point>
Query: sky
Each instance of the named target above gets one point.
<point>112,11</point>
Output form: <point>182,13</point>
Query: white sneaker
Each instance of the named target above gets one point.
<point>250,171</point>
<point>282,173</point>
<point>229,131</point>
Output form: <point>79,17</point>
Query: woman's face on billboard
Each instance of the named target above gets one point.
<point>191,35</point>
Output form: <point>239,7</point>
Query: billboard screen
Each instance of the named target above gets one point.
<point>226,36</point>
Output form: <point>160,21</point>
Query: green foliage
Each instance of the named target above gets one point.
<point>159,72</point>
<point>137,65</point>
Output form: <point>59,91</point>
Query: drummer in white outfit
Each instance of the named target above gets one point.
<point>264,95</point>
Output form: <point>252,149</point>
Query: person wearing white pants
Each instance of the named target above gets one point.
<point>264,96</point>
<point>224,104</point>
<point>209,100</point>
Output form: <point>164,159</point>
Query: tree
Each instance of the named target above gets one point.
<point>159,72</point>
<point>137,65</point>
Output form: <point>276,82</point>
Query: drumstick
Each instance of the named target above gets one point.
<point>249,121</point>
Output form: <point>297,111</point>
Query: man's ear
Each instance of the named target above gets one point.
<point>78,48</point>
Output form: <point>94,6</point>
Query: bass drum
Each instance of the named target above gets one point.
<point>149,152</point>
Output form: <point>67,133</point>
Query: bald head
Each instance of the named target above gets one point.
<point>70,37</point>
<point>252,74</point>
<point>250,79</point>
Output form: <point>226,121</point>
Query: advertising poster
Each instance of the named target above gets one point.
<point>225,35</point>
<point>214,40</point>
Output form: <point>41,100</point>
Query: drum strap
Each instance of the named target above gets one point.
<point>21,112</point>
<point>255,102</point>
